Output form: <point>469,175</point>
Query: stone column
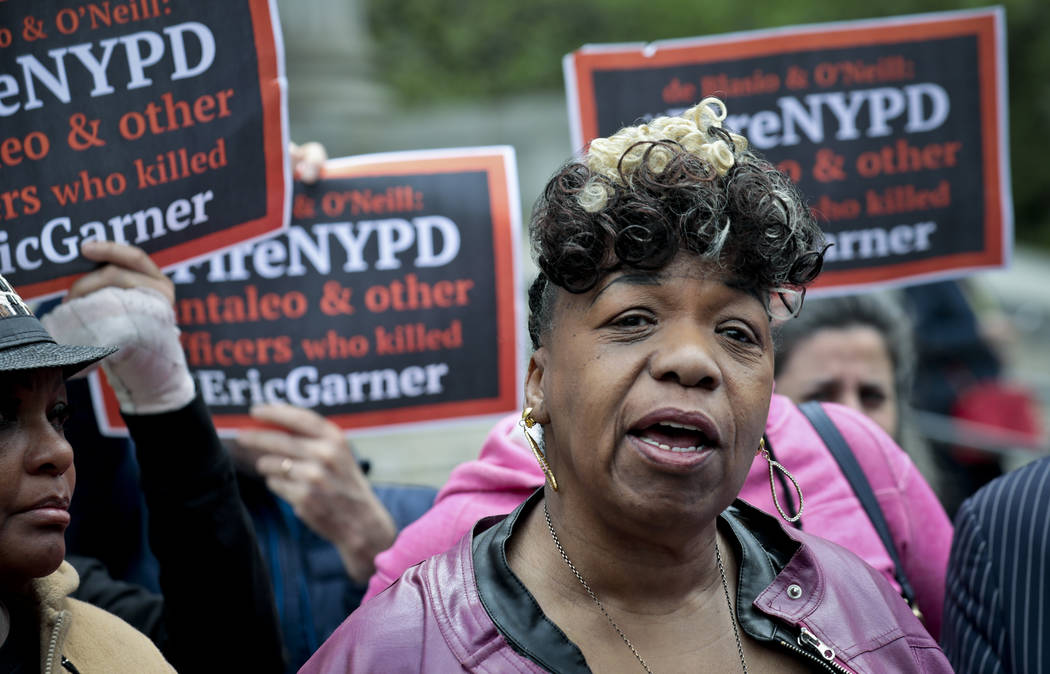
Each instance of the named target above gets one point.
<point>328,63</point>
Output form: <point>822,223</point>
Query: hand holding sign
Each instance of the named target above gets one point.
<point>128,303</point>
<point>123,267</point>
<point>307,161</point>
<point>307,461</point>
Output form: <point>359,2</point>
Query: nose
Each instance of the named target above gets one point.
<point>684,355</point>
<point>49,452</point>
<point>850,397</point>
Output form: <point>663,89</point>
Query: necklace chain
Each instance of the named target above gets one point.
<point>601,607</point>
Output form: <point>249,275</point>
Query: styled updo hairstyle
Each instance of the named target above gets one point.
<point>643,194</point>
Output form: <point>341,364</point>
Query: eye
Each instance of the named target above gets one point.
<point>823,393</point>
<point>8,413</point>
<point>872,397</point>
<point>631,321</point>
<point>740,334</point>
<point>60,413</point>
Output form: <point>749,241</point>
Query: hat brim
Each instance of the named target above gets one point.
<point>71,359</point>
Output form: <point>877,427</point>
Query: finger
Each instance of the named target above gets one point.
<point>303,471</point>
<point>290,490</point>
<point>297,420</point>
<point>307,161</point>
<point>120,277</point>
<point>275,442</point>
<point>122,255</point>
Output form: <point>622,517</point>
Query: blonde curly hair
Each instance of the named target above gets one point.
<point>618,157</point>
<point>648,191</point>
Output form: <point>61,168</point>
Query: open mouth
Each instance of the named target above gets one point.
<point>675,437</point>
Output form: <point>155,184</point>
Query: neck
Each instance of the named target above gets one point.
<point>639,566</point>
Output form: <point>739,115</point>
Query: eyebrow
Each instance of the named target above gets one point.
<point>654,278</point>
<point>738,284</point>
<point>641,278</point>
<point>25,379</point>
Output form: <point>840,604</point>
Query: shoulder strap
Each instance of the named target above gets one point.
<point>861,487</point>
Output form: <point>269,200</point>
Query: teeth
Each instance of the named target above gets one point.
<point>671,424</point>
<point>670,448</point>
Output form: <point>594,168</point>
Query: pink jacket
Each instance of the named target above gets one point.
<point>505,474</point>
<point>465,610</point>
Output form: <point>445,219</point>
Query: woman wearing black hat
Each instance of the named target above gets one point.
<point>41,629</point>
<point>199,530</point>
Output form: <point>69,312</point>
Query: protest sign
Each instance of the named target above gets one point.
<point>390,299</point>
<point>894,129</point>
<point>158,123</point>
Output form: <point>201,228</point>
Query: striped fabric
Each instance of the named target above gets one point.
<point>997,605</point>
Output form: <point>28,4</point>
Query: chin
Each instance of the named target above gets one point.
<point>32,559</point>
<point>676,505</point>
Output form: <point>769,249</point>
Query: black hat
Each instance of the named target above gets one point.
<point>26,345</point>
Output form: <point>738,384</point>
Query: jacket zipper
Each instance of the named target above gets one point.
<point>53,643</point>
<point>809,641</point>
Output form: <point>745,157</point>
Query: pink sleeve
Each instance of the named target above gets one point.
<point>920,527</point>
<point>436,531</point>
<point>503,475</point>
<point>432,533</point>
<point>927,534</point>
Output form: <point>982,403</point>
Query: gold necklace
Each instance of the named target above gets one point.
<point>601,607</point>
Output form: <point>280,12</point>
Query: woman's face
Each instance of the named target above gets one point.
<point>653,390</point>
<point>36,474</point>
<point>850,366</point>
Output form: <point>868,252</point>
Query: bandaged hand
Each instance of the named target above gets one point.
<point>128,303</point>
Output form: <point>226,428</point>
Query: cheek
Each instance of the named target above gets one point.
<point>578,373</point>
<point>750,399</point>
<point>11,473</point>
<point>886,418</point>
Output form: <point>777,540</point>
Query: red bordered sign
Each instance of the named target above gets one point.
<point>895,129</point>
<point>391,300</point>
<point>155,123</point>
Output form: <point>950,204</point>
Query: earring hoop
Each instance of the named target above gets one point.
<point>526,423</point>
<point>773,463</point>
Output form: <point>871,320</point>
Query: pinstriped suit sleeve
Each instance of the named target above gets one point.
<point>997,605</point>
<point>972,610</point>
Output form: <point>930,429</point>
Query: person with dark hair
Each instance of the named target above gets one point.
<point>665,253</point>
<point>41,628</point>
<point>855,350</point>
<point>960,375</point>
<point>850,350</point>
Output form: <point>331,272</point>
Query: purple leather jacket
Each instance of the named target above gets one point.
<point>464,610</point>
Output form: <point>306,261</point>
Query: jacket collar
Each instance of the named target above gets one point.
<point>50,593</point>
<point>761,545</point>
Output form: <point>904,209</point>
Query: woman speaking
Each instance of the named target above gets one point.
<point>664,254</point>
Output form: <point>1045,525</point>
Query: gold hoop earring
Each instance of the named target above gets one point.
<point>773,463</point>
<point>526,423</point>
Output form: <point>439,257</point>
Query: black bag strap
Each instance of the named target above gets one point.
<point>844,456</point>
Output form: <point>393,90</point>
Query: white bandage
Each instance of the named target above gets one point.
<point>149,373</point>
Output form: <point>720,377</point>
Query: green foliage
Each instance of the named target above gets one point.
<point>433,50</point>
